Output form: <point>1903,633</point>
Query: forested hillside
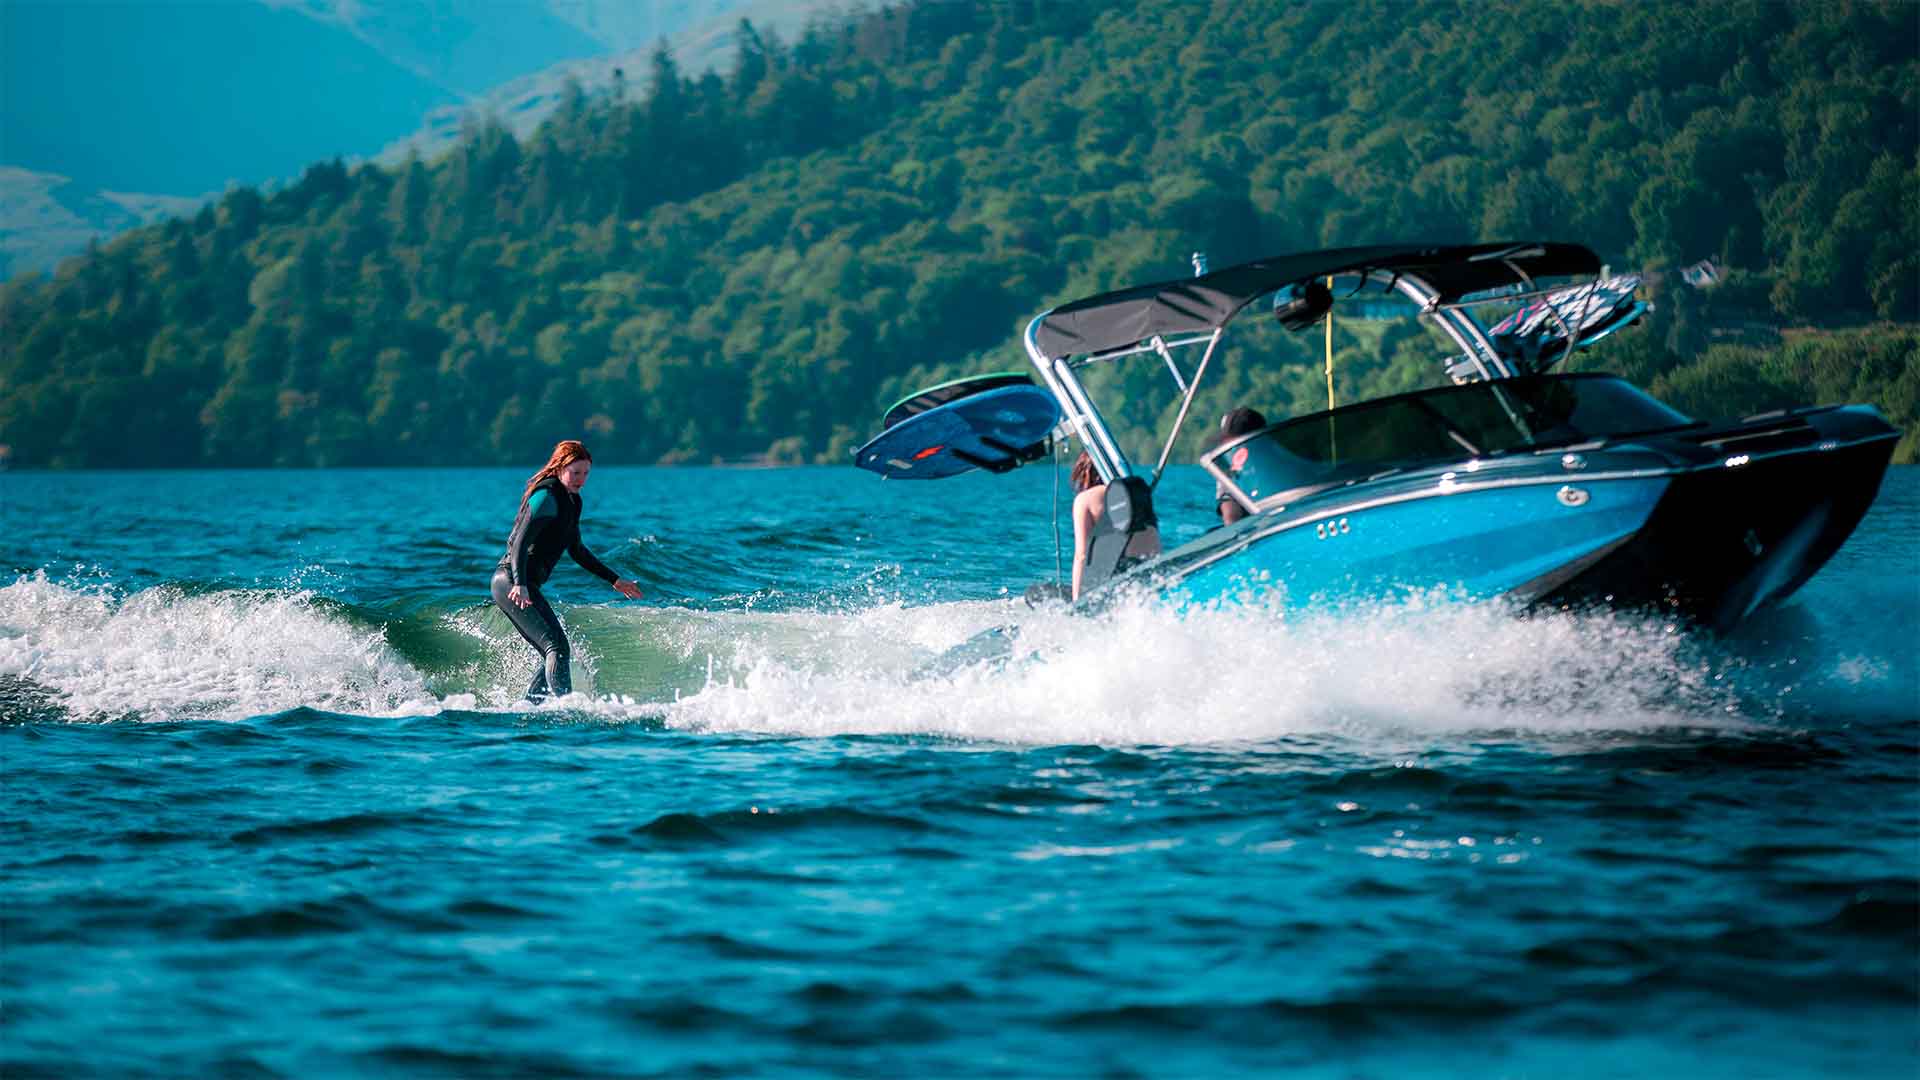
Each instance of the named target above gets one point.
<point>726,267</point>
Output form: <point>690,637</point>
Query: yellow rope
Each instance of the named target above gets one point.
<point>1333,443</point>
<point>1329,347</point>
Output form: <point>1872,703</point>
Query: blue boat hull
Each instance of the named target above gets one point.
<point>1469,544</point>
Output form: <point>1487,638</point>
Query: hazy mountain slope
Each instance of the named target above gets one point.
<point>522,104</point>
<point>182,99</point>
<point>630,24</point>
<point>185,98</point>
<point>45,217</point>
<point>466,47</point>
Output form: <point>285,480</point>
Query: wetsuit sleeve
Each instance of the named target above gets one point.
<point>592,565</point>
<point>540,514</point>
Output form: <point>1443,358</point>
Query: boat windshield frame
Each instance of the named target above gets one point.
<point>1471,451</point>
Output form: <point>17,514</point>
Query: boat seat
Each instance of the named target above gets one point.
<point>1126,512</point>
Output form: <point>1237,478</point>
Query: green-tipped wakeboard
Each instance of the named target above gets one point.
<point>994,422</point>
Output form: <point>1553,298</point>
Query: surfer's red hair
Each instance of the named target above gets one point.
<point>565,453</point>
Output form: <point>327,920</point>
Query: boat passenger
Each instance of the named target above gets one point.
<point>1087,505</point>
<point>1233,425</point>
<point>548,523</point>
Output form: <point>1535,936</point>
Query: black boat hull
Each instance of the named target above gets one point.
<point>1746,528</point>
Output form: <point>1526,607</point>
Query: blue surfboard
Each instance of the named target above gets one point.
<point>996,429</point>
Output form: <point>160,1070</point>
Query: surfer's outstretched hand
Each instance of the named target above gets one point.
<point>519,597</point>
<point>627,589</point>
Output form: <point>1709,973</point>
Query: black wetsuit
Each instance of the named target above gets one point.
<point>548,523</point>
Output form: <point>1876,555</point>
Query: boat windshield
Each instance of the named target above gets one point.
<point>1437,426</point>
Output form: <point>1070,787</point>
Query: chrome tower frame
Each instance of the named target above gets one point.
<point>1079,411</point>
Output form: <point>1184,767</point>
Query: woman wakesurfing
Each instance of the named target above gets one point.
<point>549,523</point>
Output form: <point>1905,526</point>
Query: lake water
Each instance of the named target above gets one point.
<point>272,809</point>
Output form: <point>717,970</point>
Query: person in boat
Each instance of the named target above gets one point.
<point>548,524</point>
<point>1233,425</point>
<point>1087,504</point>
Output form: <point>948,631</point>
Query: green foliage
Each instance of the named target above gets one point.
<point>710,267</point>
<point>1875,364</point>
<point>1691,353</point>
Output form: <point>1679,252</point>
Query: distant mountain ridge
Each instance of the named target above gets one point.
<point>45,217</point>
<point>182,99</point>
<point>465,47</point>
<point>178,101</point>
<point>522,104</point>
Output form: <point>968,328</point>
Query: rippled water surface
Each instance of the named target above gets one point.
<point>272,808</point>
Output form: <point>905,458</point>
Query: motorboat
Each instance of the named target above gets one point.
<point>1513,480</point>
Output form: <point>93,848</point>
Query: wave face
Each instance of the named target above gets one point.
<point>274,806</point>
<point>167,654</point>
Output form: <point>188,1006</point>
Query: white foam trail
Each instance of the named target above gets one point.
<point>1141,674</point>
<point>1146,675</point>
<point>163,654</point>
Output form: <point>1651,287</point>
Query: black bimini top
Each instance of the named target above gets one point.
<point>1128,316</point>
